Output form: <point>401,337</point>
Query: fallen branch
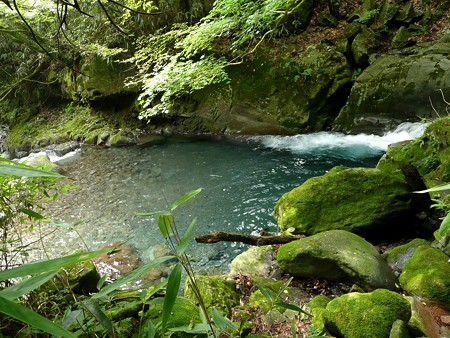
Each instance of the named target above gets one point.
<point>221,236</point>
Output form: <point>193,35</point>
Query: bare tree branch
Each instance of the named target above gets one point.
<point>221,236</point>
<point>110,19</point>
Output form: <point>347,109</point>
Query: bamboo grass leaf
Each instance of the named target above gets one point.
<point>222,322</point>
<point>30,317</point>
<point>130,276</point>
<point>187,237</point>
<point>49,265</point>
<point>100,316</point>
<point>165,225</point>
<point>173,286</point>
<point>183,199</point>
<point>16,170</point>
<point>18,290</point>
<point>445,226</point>
<point>438,188</point>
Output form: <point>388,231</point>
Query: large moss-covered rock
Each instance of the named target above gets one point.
<point>427,274</point>
<point>337,255</point>
<point>366,201</point>
<point>430,153</point>
<point>216,291</point>
<point>280,91</point>
<point>397,87</point>
<point>357,315</point>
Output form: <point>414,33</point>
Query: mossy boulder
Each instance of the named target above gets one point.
<point>427,275</point>
<point>357,315</point>
<point>398,256</point>
<point>430,153</point>
<point>397,88</point>
<point>256,261</point>
<point>337,255</point>
<point>399,330</point>
<point>216,291</point>
<point>366,201</point>
<point>42,161</point>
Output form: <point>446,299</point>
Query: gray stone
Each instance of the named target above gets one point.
<point>337,256</point>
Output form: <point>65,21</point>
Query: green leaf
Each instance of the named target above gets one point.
<point>444,227</point>
<point>185,198</point>
<point>173,286</point>
<point>186,237</point>
<point>31,213</point>
<point>30,317</point>
<point>438,188</point>
<point>100,316</point>
<point>18,290</point>
<point>130,276</point>
<point>269,294</point>
<point>293,307</point>
<point>70,317</point>
<point>154,213</point>
<point>165,225</point>
<point>101,282</point>
<point>222,322</point>
<point>194,329</point>
<point>19,170</point>
<point>49,265</point>
<point>154,289</point>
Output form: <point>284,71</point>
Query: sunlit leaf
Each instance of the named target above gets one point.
<point>292,307</point>
<point>18,170</point>
<point>438,188</point>
<point>30,317</point>
<point>187,237</point>
<point>185,198</point>
<point>173,286</point>
<point>165,225</point>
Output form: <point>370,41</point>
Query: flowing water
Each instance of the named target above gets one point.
<point>242,177</point>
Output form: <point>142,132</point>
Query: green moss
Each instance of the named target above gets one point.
<point>430,153</point>
<point>124,309</point>
<point>356,315</point>
<point>184,313</point>
<point>319,302</point>
<point>359,200</point>
<point>399,330</point>
<point>427,275</point>
<point>216,291</point>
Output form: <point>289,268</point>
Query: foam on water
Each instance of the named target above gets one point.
<point>341,145</point>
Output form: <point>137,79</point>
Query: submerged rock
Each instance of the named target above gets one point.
<point>427,275</point>
<point>337,256</point>
<point>366,201</point>
<point>357,315</point>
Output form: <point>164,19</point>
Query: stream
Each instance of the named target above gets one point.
<point>242,178</point>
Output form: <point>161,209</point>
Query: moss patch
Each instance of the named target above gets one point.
<point>427,275</point>
<point>357,315</point>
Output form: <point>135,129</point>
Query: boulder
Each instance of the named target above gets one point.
<point>427,275</point>
<point>397,257</point>
<point>216,291</point>
<point>357,315</point>
<point>366,201</point>
<point>272,95</point>
<point>339,256</point>
<point>256,261</point>
<point>40,160</point>
<point>397,88</point>
<point>399,330</point>
<point>430,153</point>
